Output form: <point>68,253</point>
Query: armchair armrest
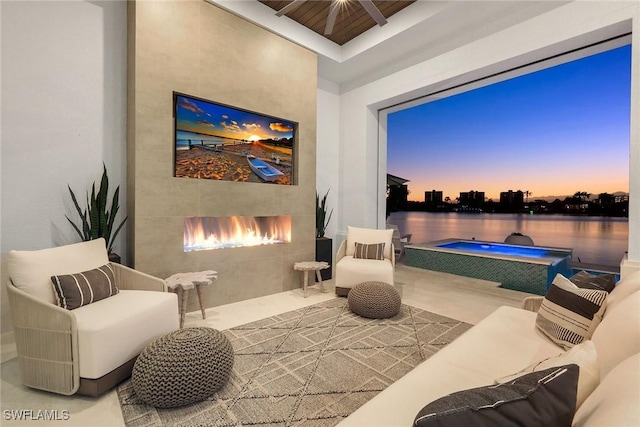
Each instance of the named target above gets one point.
<point>130,279</point>
<point>342,251</point>
<point>46,341</point>
<point>532,303</point>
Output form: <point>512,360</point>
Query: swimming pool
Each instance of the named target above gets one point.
<point>522,268</point>
<point>503,249</point>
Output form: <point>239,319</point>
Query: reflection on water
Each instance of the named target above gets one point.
<point>594,240</point>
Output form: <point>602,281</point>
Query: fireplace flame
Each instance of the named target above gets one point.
<point>203,233</point>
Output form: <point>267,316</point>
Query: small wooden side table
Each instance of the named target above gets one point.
<point>307,266</point>
<point>181,283</point>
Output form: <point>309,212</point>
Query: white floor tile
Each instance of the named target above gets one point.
<point>457,297</point>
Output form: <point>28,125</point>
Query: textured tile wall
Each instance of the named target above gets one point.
<point>199,49</point>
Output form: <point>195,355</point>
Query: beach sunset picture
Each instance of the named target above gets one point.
<point>215,141</point>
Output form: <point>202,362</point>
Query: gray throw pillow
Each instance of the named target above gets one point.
<point>584,280</point>
<point>539,399</point>
<point>76,290</point>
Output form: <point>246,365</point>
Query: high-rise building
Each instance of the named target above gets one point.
<point>512,200</point>
<point>433,197</point>
<point>472,199</point>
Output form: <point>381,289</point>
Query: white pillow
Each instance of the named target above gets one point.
<point>31,271</point>
<point>618,335</point>
<point>615,401</point>
<point>584,355</point>
<point>368,236</point>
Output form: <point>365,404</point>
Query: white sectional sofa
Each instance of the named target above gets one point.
<point>506,342</point>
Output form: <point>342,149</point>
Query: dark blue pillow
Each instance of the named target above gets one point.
<point>543,398</point>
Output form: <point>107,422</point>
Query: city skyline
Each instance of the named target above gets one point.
<point>530,196</point>
<point>553,132</point>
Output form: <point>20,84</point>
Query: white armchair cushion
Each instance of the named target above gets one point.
<point>116,329</point>
<point>31,271</point>
<point>350,271</point>
<point>368,236</point>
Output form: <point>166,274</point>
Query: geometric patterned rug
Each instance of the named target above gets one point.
<point>308,367</point>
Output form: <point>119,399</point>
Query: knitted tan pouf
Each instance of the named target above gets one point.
<point>183,367</point>
<point>375,300</point>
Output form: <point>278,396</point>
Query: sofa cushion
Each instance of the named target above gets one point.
<point>31,271</point>
<point>76,290</point>
<point>369,251</point>
<point>542,398</point>
<point>472,360</point>
<point>368,235</point>
<point>585,280</point>
<point>615,401</point>
<point>569,315</point>
<point>103,346</point>
<point>625,287</point>
<point>584,355</point>
<point>618,335</point>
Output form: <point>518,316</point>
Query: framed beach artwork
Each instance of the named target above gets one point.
<point>220,142</point>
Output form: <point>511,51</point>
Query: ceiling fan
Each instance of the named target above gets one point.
<point>334,8</point>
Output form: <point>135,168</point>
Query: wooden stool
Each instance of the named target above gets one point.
<point>180,283</point>
<point>307,266</point>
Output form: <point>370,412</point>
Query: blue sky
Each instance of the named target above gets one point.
<point>553,132</point>
<point>194,115</point>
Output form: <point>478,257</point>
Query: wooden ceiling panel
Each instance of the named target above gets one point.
<point>352,19</point>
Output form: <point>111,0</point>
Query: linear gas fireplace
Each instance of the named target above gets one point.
<point>204,233</point>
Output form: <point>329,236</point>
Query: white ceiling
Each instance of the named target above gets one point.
<point>419,32</point>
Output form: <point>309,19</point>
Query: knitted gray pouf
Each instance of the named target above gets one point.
<point>182,367</point>
<point>375,300</point>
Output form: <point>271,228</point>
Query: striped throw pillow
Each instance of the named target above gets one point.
<point>369,251</point>
<point>76,290</point>
<point>568,314</point>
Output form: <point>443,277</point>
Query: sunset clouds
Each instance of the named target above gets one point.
<point>207,118</point>
<point>281,127</point>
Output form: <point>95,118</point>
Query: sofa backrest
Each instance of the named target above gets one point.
<point>617,337</point>
<point>625,287</point>
<point>368,236</point>
<point>31,271</point>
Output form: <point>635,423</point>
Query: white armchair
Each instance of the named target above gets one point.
<point>92,348</point>
<point>351,270</point>
<point>398,241</point>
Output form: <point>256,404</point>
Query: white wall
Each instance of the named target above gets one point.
<point>63,115</point>
<point>327,152</point>
<point>362,160</point>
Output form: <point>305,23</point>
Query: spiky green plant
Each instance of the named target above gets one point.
<point>322,221</point>
<point>97,219</point>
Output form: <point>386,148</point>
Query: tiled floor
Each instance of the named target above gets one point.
<point>461,298</point>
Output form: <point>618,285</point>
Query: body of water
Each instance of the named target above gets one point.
<point>183,137</point>
<point>596,240</point>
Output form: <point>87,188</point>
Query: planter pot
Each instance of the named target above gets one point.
<point>114,257</point>
<point>324,252</point>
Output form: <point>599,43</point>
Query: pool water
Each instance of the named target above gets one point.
<point>500,249</point>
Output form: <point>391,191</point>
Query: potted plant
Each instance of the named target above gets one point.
<point>97,218</point>
<point>324,245</point>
